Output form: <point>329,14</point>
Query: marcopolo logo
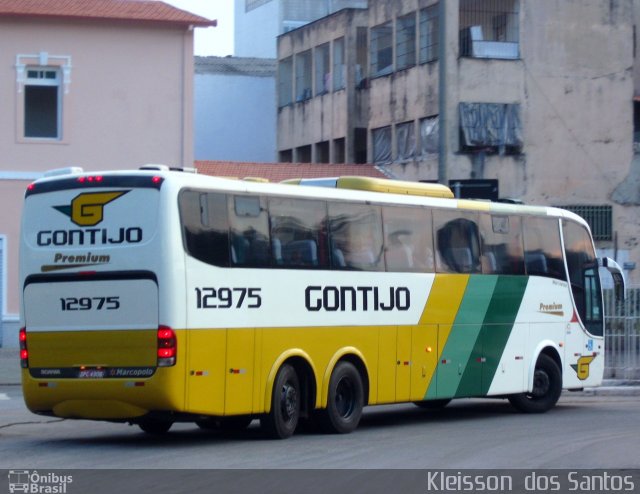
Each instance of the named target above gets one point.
<point>40,483</point>
<point>87,209</point>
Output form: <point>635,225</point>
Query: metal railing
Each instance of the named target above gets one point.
<point>622,335</point>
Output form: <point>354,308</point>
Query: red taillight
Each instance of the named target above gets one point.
<point>24,353</point>
<point>31,186</point>
<point>157,179</point>
<point>167,344</point>
<point>90,178</point>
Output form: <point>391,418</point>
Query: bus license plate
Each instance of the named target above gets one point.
<point>91,373</point>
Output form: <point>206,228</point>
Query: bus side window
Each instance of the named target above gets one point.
<point>356,236</point>
<point>542,248</point>
<point>502,248</point>
<point>249,227</point>
<point>457,241</point>
<point>205,228</point>
<point>583,275</point>
<point>408,239</point>
<point>298,232</point>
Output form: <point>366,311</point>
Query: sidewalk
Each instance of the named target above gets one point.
<point>10,376</point>
<point>9,366</point>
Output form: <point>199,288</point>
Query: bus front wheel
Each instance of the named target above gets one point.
<point>282,420</point>
<point>345,401</point>
<point>547,386</point>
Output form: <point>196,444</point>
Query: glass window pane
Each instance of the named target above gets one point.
<point>249,226</point>
<point>356,236</point>
<point>457,241</point>
<point>502,245</point>
<point>408,240</point>
<point>41,111</point>
<point>406,41</point>
<point>298,233</point>
<point>381,49</point>
<point>583,275</point>
<point>205,227</point>
<point>542,249</point>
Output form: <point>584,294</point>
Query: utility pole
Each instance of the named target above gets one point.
<point>442,94</point>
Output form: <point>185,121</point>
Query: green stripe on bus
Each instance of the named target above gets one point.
<point>496,328</point>
<point>464,333</point>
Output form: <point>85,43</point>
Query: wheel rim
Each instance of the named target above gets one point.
<point>289,401</point>
<point>345,398</point>
<point>541,384</point>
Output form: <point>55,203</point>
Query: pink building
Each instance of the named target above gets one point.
<point>101,84</point>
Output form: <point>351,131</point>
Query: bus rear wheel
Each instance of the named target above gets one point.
<point>345,401</point>
<point>282,420</point>
<point>547,386</point>
<point>155,426</point>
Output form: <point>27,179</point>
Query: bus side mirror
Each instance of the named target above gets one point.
<point>616,273</point>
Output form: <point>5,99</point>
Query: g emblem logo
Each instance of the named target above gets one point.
<point>87,209</point>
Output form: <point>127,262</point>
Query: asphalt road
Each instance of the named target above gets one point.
<point>583,431</point>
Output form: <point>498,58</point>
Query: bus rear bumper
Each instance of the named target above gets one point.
<point>108,399</point>
<point>97,410</point>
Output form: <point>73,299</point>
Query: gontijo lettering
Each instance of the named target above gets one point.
<point>353,298</point>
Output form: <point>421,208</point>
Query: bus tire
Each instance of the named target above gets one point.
<point>432,404</point>
<point>156,427</point>
<point>547,386</point>
<point>282,420</point>
<point>345,401</point>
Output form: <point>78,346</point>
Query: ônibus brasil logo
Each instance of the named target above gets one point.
<point>87,209</point>
<point>38,483</point>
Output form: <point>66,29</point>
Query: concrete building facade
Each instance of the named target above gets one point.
<point>537,95</point>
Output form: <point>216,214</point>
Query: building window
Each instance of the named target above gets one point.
<point>429,135</point>
<point>489,28</point>
<point>490,127</point>
<point>381,145</point>
<point>599,218</point>
<point>322,152</point>
<point>42,103</point>
<point>338,150</point>
<point>323,69</point>
<point>429,34</point>
<point>406,41</point>
<point>303,76</point>
<point>338,64</point>
<point>406,141</point>
<point>285,82</point>
<point>285,156</point>
<point>382,49</point>
<point>303,154</point>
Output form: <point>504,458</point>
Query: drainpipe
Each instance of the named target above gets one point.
<point>442,94</point>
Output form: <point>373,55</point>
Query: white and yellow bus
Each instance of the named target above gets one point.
<point>156,296</point>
